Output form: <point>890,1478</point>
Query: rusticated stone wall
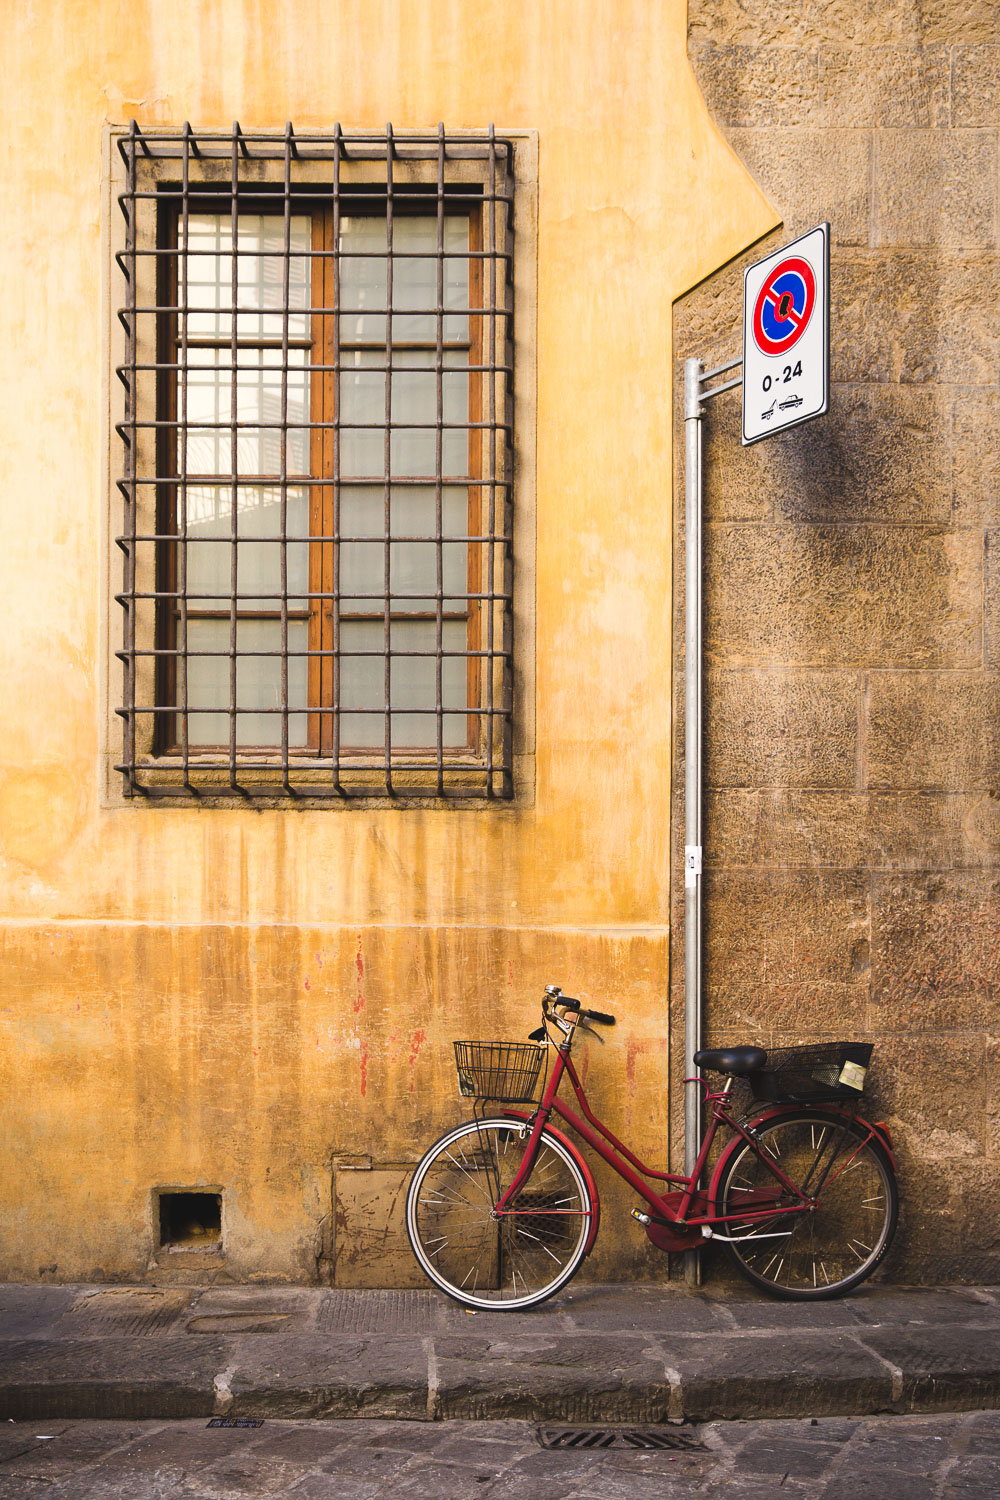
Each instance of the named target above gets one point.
<point>852,603</point>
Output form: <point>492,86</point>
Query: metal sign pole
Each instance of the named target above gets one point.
<point>694,395</point>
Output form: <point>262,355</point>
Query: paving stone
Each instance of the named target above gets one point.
<point>983,1434</point>
<point>894,1307</point>
<point>800,1459</point>
<point>653,1309</point>
<point>973,1477</point>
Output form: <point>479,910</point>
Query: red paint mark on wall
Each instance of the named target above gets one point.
<point>364,1069</point>
<point>359,964</point>
<point>307,985</point>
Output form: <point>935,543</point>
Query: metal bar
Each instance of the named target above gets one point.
<point>717,390</point>
<point>491,492</point>
<point>182,491</point>
<point>692,773</point>
<point>283,452</point>
<point>505,426</point>
<point>387,629</point>
<point>721,369</point>
<point>233,411</point>
<point>335,556</point>
<point>131,460</point>
<point>438,469</point>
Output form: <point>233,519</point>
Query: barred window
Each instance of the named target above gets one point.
<point>317,478</point>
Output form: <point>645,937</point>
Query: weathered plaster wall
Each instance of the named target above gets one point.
<point>852,606</point>
<point>248,999</point>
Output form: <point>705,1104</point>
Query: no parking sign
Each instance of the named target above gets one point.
<point>786,336</point>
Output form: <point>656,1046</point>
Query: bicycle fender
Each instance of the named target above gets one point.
<point>588,1176</point>
<point>774,1112</point>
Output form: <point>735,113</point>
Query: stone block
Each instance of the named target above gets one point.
<point>976,84</point>
<point>882,85</point>
<point>937,731</point>
<point>843,596</point>
<point>786,927</point>
<point>916,318</point>
<point>883,453</point>
<point>972,22</point>
<point>761,1011</point>
<point>976,464</point>
<point>936,187</point>
<point>792,1376</point>
<point>991,592</point>
<point>949,1372</point>
<point>934,939</point>
<point>758,23</point>
<point>811,175</point>
<point>754,85</point>
<point>789,728</point>
<point>875,830</point>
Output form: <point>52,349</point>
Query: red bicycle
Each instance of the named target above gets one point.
<point>503,1209</point>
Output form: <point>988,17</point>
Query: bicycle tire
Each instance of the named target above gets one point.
<point>830,1249</point>
<point>481,1261</point>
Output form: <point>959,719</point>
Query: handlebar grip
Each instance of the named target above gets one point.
<point>568,1002</point>
<point>599,1016</point>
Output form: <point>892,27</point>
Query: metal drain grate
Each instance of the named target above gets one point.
<point>620,1437</point>
<point>236,1422</point>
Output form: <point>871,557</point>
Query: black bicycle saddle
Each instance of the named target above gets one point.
<point>731,1059</point>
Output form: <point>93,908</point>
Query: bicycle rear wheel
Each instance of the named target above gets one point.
<point>826,1250</point>
<point>481,1260</point>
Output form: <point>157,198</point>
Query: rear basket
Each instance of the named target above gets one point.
<point>506,1071</point>
<point>810,1075</point>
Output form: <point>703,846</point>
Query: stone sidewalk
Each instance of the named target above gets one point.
<point>593,1354</point>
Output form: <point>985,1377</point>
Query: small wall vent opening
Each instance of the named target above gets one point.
<point>191,1221</point>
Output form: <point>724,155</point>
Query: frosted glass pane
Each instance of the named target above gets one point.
<point>258,399</point>
<point>258,683</point>
<point>260,243</point>
<point>413,564</point>
<point>413,685</point>
<point>414,277</point>
<point>413,398</point>
<point>209,548</point>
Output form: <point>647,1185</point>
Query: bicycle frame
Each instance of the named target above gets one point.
<point>688,1208</point>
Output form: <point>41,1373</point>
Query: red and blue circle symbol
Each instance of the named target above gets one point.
<point>784,306</point>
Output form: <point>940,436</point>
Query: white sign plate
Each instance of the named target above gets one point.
<point>786,336</point>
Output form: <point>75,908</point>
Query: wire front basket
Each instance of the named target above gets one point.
<point>808,1075</point>
<point>506,1071</point>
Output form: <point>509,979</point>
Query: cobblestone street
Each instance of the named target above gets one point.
<point>944,1457</point>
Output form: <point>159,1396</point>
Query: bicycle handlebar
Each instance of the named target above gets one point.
<point>555,997</point>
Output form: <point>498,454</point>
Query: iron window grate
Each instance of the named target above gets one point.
<point>317,533</point>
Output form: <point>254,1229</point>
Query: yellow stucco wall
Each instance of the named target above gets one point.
<point>237,998</point>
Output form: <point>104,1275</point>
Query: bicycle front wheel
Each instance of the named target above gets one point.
<point>827,1249</point>
<point>484,1261</point>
